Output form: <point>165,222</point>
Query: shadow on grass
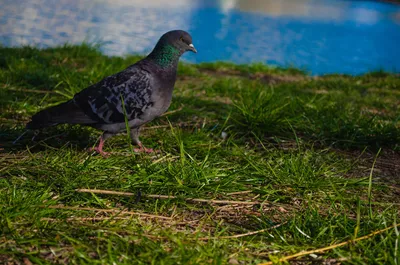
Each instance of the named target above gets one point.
<point>54,137</point>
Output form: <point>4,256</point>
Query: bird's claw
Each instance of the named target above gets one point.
<point>99,151</point>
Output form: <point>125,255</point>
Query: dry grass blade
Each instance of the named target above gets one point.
<point>245,234</point>
<point>154,196</point>
<point>155,127</point>
<point>218,201</point>
<point>29,90</point>
<point>171,112</point>
<point>12,120</point>
<point>320,250</point>
<point>84,219</point>
<point>120,211</point>
<point>180,124</point>
<point>239,192</point>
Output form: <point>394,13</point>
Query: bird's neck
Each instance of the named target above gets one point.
<point>165,56</point>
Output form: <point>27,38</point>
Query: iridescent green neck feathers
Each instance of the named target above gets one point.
<point>165,55</point>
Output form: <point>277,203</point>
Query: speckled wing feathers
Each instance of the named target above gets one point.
<point>102,101</point>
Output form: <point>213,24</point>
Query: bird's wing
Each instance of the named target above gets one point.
<point>103,101</point>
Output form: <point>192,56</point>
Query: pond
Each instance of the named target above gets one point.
<point>320,36</point>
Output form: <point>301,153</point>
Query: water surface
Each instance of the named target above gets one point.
<point>321,36</point>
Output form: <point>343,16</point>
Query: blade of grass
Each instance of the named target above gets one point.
<point>370,183</point>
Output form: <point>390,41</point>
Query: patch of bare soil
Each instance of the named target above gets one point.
<point>263,77</point>
<point>386,172</point>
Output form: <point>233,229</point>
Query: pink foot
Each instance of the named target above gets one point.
<point>99,151</point>
<point>143,149</point>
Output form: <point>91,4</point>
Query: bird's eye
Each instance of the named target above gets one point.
<point>181,38</point>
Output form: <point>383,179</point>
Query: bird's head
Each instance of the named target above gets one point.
<point>179,39</point>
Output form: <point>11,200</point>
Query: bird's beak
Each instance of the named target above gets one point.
<point>192,48</point>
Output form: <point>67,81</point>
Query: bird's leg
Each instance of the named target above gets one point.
<point>99,148</point>
<point>135,135</point>
<point>135,140</point>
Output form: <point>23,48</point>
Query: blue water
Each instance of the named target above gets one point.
<point>321,36</point>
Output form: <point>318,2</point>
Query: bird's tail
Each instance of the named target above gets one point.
<point>66,112</point>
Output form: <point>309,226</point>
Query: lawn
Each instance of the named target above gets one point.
<point>257,165</point>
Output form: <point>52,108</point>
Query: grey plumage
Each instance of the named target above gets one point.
<point>142,92</point>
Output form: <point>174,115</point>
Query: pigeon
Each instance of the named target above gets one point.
<point>139,93</point>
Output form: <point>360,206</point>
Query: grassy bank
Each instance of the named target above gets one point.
<point>277,162</point>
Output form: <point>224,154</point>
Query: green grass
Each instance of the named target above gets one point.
<point>301,148</point>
